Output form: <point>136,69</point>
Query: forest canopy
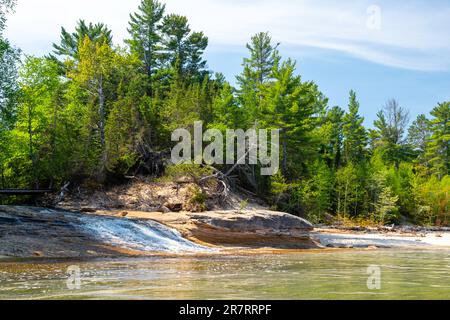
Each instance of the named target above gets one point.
<point>95,109</point>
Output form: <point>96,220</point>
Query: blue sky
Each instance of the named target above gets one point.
<point>382,49</point>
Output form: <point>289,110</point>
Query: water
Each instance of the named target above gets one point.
<point>405,274</point>
<point>139,235</point>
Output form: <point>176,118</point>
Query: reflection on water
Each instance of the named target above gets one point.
<point>337,275</point>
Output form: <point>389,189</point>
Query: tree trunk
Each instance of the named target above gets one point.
<point>53,140</point>
<point>101,97</point>
<point>285,153</point>
<point>30,135</point>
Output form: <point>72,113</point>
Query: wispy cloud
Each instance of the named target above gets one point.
<point>412,34</point>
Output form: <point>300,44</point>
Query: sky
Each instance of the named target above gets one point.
<point>382,49</point>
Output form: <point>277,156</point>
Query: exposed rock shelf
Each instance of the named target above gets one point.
<point>39,232</point>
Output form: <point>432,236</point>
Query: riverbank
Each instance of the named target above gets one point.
<point>39,232</point>
<point>27,232</point>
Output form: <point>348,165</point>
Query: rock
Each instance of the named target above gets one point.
<point>252,228</point>
<point>88,210</point>
<point>258,220</point>
<point>163,209</point>
<point>174,207</point>
<point>38,254</point>
<point>39,232</point>
<point>124,214</point>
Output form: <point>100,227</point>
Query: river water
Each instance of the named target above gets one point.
<point>405,274</point>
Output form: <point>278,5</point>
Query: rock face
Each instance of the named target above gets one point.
<point>251,228</point>
<point>38,232</point>
<point>35,232</point>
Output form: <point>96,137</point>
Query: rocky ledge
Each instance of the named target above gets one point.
<point>38,232</point>
<point>249,228</point>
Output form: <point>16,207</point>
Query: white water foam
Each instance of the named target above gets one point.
<point>145,236</point>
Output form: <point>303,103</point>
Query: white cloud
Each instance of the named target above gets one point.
<point>413,34</point>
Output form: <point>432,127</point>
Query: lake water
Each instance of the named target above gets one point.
<point>405,274</point>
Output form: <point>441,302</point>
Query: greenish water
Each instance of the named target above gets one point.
<point>338,275</point>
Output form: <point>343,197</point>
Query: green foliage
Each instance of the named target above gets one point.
<point>197,201</point>
<point>438,147</point>
<point>355,134</point>
<point>145,42</point>
<point>71,42</point>
<point>183,49</point>
<point>6,6</point>
<point>192,171</point>
<point>9,59</point>
<point>97,110</point>
<point>391,125</point>
<point>433,198</point>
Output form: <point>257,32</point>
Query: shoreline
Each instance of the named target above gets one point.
<point>40,233</point>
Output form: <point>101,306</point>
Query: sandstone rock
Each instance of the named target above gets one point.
<point>251,228</point>
<point>174,207</point>
<point>163,209</point>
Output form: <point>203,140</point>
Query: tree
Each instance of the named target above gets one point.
<point>183,49</point>
<point>38,119</point>
<point>347,190</point>
<point>9,90</point>
<point>355,135</point>
<point>293,107</point>
<point>438,148</point>
<point>263,57</point>
<point>331,137</point>
<point>145,42</point>
<point>9,58</point>
<point>419,133</point>
<point>93,73</point>
<point>227,113</point>
<point>5,7</point>
<point>258,70</point>
<point>391,125</point>
<point>70,42</point>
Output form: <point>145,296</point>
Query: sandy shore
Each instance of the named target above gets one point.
<point>333,238</point>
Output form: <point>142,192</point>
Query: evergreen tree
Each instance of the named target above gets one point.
<point>391,125</point>
<point>71,42</point>
<point>5,7</point>
<point>355,135</point>
<point>331,137</point>
<point>438,148</point>
<point>9,90</point>
<point>419,133</point>
<point>145,42</point>
<point>182,48</point>
<point>258,70</point>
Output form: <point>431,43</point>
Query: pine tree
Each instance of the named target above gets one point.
<point>183,49</point>
<point>5,7</point>
<point>331,137</point>
<point>145,42</point>
<point>438,148</point>
<point>355,134</point>
<point>258,70</point>
<point>9,90</point>
<point>71,42</point>
<point>291,106</point>
<point>419,133</point>
<point>391,125</point>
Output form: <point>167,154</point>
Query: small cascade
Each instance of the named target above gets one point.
<point>140,235</point>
